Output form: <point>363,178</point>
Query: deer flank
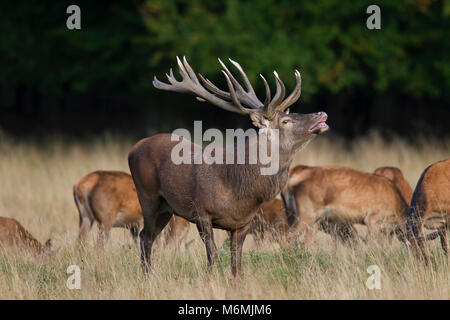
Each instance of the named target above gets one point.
<point>430,208</point>
<point>109,198</point>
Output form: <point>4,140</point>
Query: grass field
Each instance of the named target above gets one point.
<point>36,189</point>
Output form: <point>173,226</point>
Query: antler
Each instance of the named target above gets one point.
<point>237,96</point>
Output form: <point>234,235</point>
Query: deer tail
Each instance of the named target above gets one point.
<point>87,205</point>
<point>77,202</point>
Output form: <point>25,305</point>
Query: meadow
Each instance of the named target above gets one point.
<point>36,189</point>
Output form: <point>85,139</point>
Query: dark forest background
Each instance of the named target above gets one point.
<point>55,81</point>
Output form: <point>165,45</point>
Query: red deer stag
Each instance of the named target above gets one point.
<point>109,197</point>
<point>13,234</point>
<point>396,176</point>
<point>335,198</point>
<point>219,195</point>
<point>430,208</point>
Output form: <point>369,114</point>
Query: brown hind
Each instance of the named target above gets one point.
<point>335,198</point>
<point>110,199</point>
<point>430,208</point>
<point>13,234</point>
<point>396,176</point>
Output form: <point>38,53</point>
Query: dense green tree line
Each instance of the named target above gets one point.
<point>50,70</point>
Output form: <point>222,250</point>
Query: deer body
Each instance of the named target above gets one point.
<point>396,176</point>
<point>430,208</point>
<point>338,197</point>
<point>110,199</point>
<point>13,234</point>
<point>224,196</point>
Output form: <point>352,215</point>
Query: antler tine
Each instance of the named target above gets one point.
<point>248,98</point>
<point>211,87</point>
<point>250,91</point>
<point>164,86</point>
<point>248,85</point>
<point>183,71</point>
<point>266,85</point>
<point>295,95</point>
<point>278,98</point>
<point>190,71</point>
<point>235,98</point>
<point>190,84</point>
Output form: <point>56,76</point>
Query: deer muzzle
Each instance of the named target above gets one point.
<point>320,126</point>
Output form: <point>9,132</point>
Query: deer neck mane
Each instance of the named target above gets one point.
<point>247,181</point>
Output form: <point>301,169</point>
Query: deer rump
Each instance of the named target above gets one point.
<point>335,198</point>
<point>430,208</point>
<point>109,198</point>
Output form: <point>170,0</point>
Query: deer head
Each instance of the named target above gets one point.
<point>295,130</point>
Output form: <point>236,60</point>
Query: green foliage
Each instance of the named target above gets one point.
<point>386,79</point>
<point>121,44</point>
<point>37,49</point>
<point>326,40</point>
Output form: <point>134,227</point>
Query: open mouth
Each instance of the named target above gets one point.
<point>321,126</point>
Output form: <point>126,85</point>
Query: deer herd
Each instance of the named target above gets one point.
<point>160,199</point>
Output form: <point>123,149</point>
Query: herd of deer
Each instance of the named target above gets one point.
<point>238,199</point>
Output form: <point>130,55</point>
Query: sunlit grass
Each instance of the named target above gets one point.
<point>36,189</point>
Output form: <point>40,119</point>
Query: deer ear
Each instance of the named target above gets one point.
<point>259,121</point>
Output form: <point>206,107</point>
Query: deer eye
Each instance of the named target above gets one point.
<point>285,121</point>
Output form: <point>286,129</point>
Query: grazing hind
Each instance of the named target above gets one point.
<point>334,198</point>
<point>13,234</point>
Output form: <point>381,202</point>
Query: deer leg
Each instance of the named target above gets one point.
<point>154,221</point>
<point>307,228</point>
<point>350,234</point>
<point>85,223</point>
<point>237,241</point>
<point>374,227</point>
<point>175,233</point>
<point>85,227</point>
<point>205,230</point>
<point>149,233</point>
<point>103,235</point>
<point>414,234</point>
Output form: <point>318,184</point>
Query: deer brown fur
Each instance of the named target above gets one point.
<point>396,176</point>
<point>224,196</point>
<point>270,220</point>
<point>110,199</point>
<point>430,208</point>
<point>13,234</point>
<point>335,198</point>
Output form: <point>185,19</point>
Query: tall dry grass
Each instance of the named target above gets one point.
<point>36,189</point>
